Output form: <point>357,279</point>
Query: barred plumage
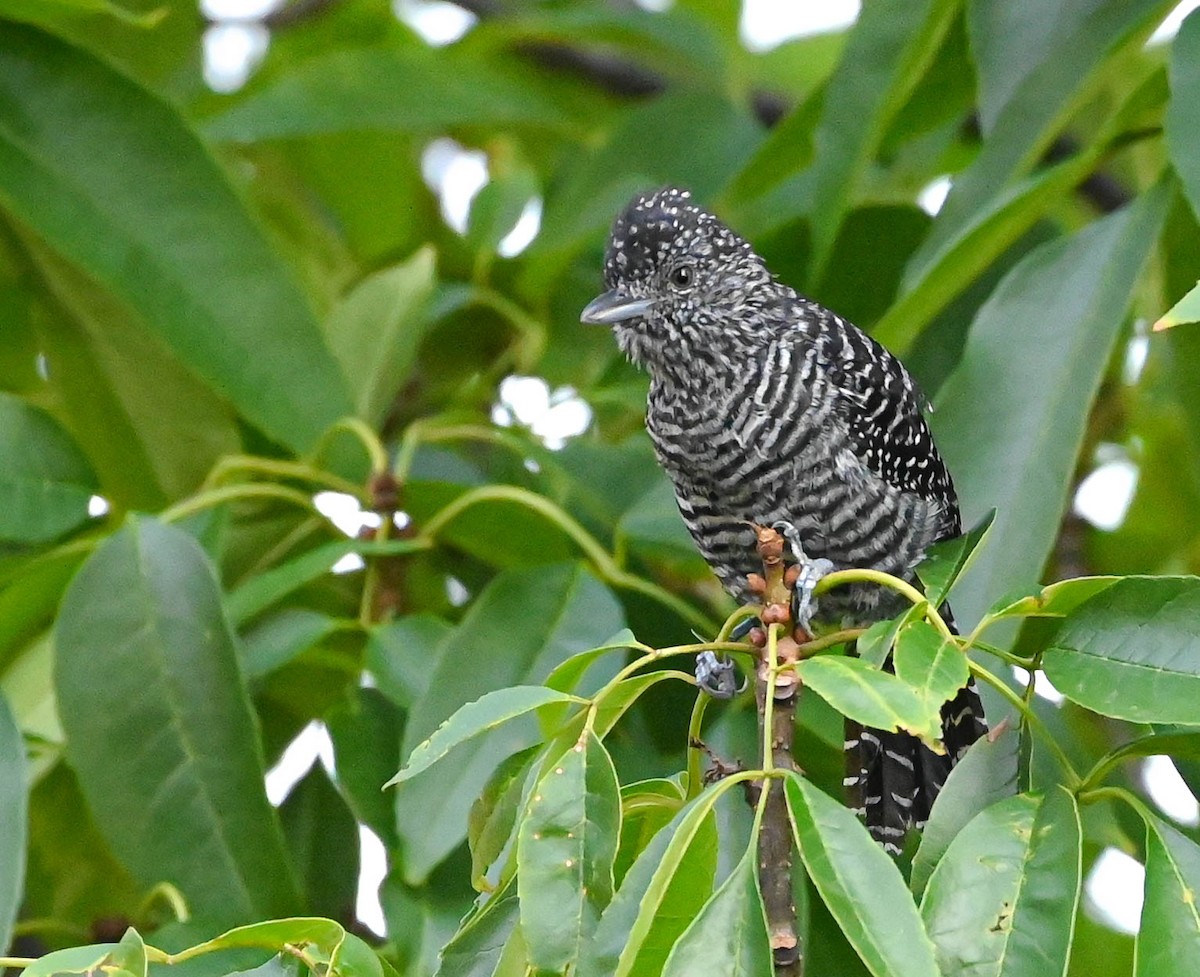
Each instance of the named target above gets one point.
<point>766,407</point>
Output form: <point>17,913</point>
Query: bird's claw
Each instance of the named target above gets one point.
<point>717,675</point>
<point>804,604</point>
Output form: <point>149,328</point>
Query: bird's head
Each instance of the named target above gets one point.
<point>681,285</point>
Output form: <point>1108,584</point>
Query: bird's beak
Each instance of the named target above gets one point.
<point>614,306</point>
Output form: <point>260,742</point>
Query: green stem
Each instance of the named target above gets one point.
<point>771,652</point>
<point>235,493</point>
<point>282,469</point>
<point>167,893</point>
<point>605,565</point>
<point>1032,718</point>
<point>864,575</point>
<point>695,755</point>
<point>1117,794</point>
<point>18,962</point>
<point>739,614</point>
<point>362,431</point>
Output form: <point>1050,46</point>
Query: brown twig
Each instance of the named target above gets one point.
<point>775,839</point>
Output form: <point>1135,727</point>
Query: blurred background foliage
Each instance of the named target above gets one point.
<point>202,277</point>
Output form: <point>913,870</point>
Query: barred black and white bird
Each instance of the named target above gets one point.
<point>766,407</point>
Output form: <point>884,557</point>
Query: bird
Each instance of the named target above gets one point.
<point>767,408</point>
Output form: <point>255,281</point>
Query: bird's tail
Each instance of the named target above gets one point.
<point>892,778</point>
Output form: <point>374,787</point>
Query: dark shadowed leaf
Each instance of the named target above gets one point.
<point>728,937</point>
<point>484,944</point>
<point>1002,899</point>
<point>279,638</point>
<point>1039,348</point>
<point>565,852</point>
<point>322,837</point>
<point>159,726</point>
<point>1182,124</point>
<point>45,482</point>
<point>494,814</point>
<point>859,884</point>
<point>155,221</point>
<point>366,746</point>
<point>987,773</point>
<point>1133,652</point>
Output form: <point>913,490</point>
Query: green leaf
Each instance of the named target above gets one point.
<point>131,196</point>
<point>885,56</point>
<point>14,803</point>
<point>1002,899</point>
<point>875,644</point>
<point>987,773</point>
<point>538,617</point>
<point>272,586</point>
<point>1056,600</point>
<point>565,852</point>
<point>481,947</point>
<point>402,654</point>
<point>1181,124</point>
<point>1039,347</point>
<point>945,562</point>
<point>322,837</point>
<point>45,482</point>
<point>1187,309</point>
<point>413,89</point>
<point>366,746</point>
<point>1133,651</point>
<point>1029,101</point>
<point>476,718</point>
<point>494,815</point>
<point>729,935</point>
<point>159,726</point>
<point>661,894</point>
<point>498,206</point>
<point>1168,942</point>
<point>377,328</point>
<point>74,960</point>
<point>280,638</point>
<point>933,666</point>
<point>870,696</point>
<point>859,884</point>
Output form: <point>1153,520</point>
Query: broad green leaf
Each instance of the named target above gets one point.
<point>1002,900</point>
<point>415,88</point>
<point>987,773</point>
<point>1030,101</point>
<point>74,960</point>
<point>1056,600</point>
<point>1182,123</point>
<point>128,958</point>
<point>875,644</point>
<point>661,894</point>
<point>1187,309</point>
<point>859,884</point>
<point>870,696</point>
<point>131,196</point>
<point>498,206</point>
<point>1168,943</point>
<point>401,655</point>
<point>476,718</point>
<point>159,725</point>
<point>885,55</point>
<point>1039,346</point>
<point>945,562</point>
<point>479,948</point>
<point>729,935</point>
<point>1133,651</point>
<point>280,638</point>
<point>934,667</point>
<point>377,328</point>
<point>45,482</point>
<point>151,428</point>
<point>565,852</point>
<point>14,803</point>
<point>322,838</point>
<point>366,747</point>
<point>494,815</point>
<point>267,588</point>
<point>538,617</point>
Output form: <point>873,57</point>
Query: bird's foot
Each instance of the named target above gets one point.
<point>804,604</point>
<point>717,675</point>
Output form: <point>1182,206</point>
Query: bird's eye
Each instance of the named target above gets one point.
<point>682,276</point>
